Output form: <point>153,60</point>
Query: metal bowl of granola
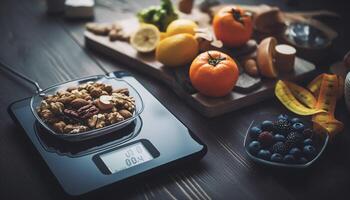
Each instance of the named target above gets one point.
<point>86,108</point>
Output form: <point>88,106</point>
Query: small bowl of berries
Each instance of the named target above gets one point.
<point>284,141</point>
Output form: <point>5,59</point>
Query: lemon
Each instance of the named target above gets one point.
<point>181,26</point>
<point>176,50</point>
<point>146,38</point>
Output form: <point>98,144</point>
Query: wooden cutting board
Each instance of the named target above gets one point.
<point>248,91</point>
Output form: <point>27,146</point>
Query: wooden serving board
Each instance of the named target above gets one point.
<point>248,91</point>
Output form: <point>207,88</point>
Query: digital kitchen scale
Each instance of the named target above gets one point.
<point>155,140</point>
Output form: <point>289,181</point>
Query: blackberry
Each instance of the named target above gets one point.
<point>279,147</point>
<point>282,126</point>
<point>294,139</point>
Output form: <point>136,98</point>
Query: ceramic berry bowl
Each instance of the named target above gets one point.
<point>284,141</point>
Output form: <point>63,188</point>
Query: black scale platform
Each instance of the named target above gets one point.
<point>156,140</point>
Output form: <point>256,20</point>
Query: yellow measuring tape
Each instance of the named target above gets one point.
<point>319,100</point>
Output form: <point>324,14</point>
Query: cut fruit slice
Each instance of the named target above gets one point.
<point>146,38</point>
<point>264,57</point>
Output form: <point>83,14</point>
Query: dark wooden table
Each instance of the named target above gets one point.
<point>51,50</point>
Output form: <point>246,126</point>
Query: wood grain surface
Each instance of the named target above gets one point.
<point>50,49</point>
<point>178,80</point>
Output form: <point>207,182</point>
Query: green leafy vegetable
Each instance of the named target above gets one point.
<point>160,16</point>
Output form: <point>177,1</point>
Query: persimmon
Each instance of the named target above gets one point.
<point>233,26</point>
<point>214,73</point>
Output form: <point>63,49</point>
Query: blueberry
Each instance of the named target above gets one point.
<point>308,141</point>
<point>295,120</point>
<point>279,138</point>
<point>298,127</point>
<point>264,154</point>
<point>289,158</point>
<point>309,151</point>
<point>276,157</point>
<point>296,152</point>
<point>254,132</point>
<point>267,125</point>
<point>283,117</point>
<point>254,147</point>
<point>302,160</point>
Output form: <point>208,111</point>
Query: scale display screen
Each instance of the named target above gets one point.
<point>126,157</point>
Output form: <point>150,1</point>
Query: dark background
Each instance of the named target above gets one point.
<point>51,50</point>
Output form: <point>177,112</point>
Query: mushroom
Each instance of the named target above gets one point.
<point>265,57</point>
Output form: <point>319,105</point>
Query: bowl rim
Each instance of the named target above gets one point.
<point>94,132</point>
<point>284,165</point>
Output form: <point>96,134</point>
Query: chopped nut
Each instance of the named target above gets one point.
<point>51,99</point>
<point>59,126</point>
<point>78,103</point>
<point>96,92</point>
<point>108,88</point>
<point>114,117</point>
<point>57,107</point>
<point>82,87</point>
<point>44,105</point>
<point>77,93</point>
<point>70,89</point>
<point>92,121</point>
<point>78,129</point>
<point>68,128</point>
<point>125,113</point>
<point>124,91</point>
<point>66,99</point>
<point>114,109</point>
<point>101,121</point>
<point>46,114</point>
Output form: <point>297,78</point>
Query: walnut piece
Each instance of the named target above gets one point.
<point>44,105</point>
<point>101,121</point>
<point>114,117</point>
<point>78,129</point>
<point>46,114</point>
<point>57,107</point>
<point>59,126</point>
<point>96,92</point>
<point>66,99</point>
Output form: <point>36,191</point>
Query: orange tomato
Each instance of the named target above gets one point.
<point>214,73</point>
<point>233,26</point>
